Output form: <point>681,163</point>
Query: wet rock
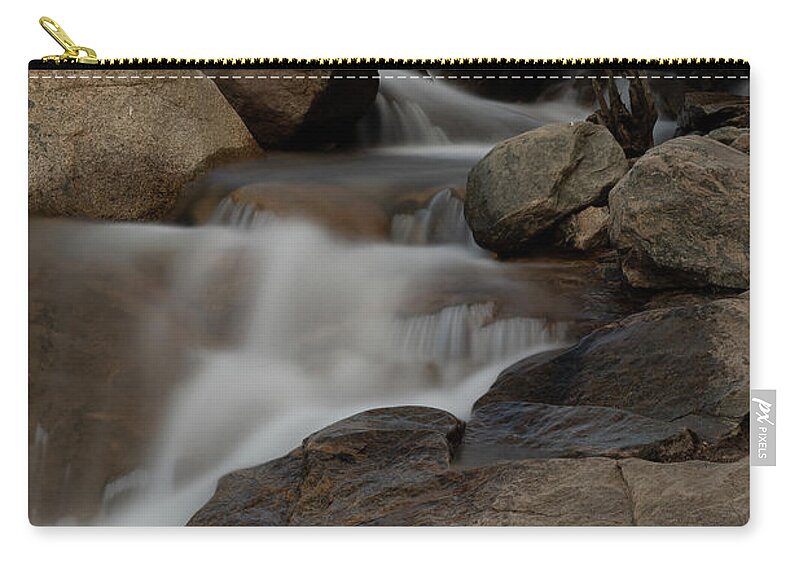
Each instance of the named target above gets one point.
<point>585,230</point>
<point>689,493</point>
<point>508,430</point>
<point>393,467</point>
<point>706,111</point>
<point>632,365</point>
<point>680,217</point>
<point>369,459</point>
<point>529,183</point>
<point>264,495</point>
<point>125,149</point>
<point>308,112</point>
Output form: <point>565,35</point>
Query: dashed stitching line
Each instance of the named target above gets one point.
<point>389,77</point>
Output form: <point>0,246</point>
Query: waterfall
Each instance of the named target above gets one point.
<point>441,221</point>
<point>467,333</point>
<point>239,214</point>
<point>316,327</point>
<point>428,111</point>
<point>329,334</point>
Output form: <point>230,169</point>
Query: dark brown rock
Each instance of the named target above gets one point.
<point>706,111</point>
<point>264,495</point>
<point>392,467</point>
<point>680,217</point>
<point>670,93</point>
<point>513,430</point>
<point>312,110</point>
<point>125,149</point>
<point>528,183</point>
<point>684,365</point>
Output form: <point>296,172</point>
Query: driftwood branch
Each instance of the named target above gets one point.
<point>632,128</point>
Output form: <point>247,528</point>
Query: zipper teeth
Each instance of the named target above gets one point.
<point>364,62</point>
<point>438,62</point>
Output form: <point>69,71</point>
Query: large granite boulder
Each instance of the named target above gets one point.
<point>125,149</point>
<point>680,217</point>
<point>687,366</point>
<point>395,467</point>
<point>528,183</point>
<point>299,108</point>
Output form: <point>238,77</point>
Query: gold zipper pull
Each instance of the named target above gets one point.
<point>72,52</point>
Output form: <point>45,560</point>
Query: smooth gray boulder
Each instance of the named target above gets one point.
<point>527,184</point>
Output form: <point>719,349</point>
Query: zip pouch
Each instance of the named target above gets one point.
<point>388,292</point>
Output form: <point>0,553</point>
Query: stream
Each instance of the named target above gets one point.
<point>257,329</point>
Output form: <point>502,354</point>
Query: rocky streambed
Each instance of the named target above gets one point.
<point>558,337</point>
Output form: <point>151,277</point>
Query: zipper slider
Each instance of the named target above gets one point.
<point>72,52</point>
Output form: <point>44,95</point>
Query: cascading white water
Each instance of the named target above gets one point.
<point>241,215</point>
<point>427,112</point>
<point>329,335</point>
<point>334,327</point>
<point>441,221</point>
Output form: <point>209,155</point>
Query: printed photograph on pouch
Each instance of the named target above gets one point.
<point>349,296</point>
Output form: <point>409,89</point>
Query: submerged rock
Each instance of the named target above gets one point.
<point>688,366</point>
<point>392,466</point>
<point>337,208</point>
<point>124,149</point>
<point>705,111</point>
<point>301,108</point>
<point>680,217</point>
<point>528,183</point>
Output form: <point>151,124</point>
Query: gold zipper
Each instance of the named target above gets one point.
<point>75,54</point>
